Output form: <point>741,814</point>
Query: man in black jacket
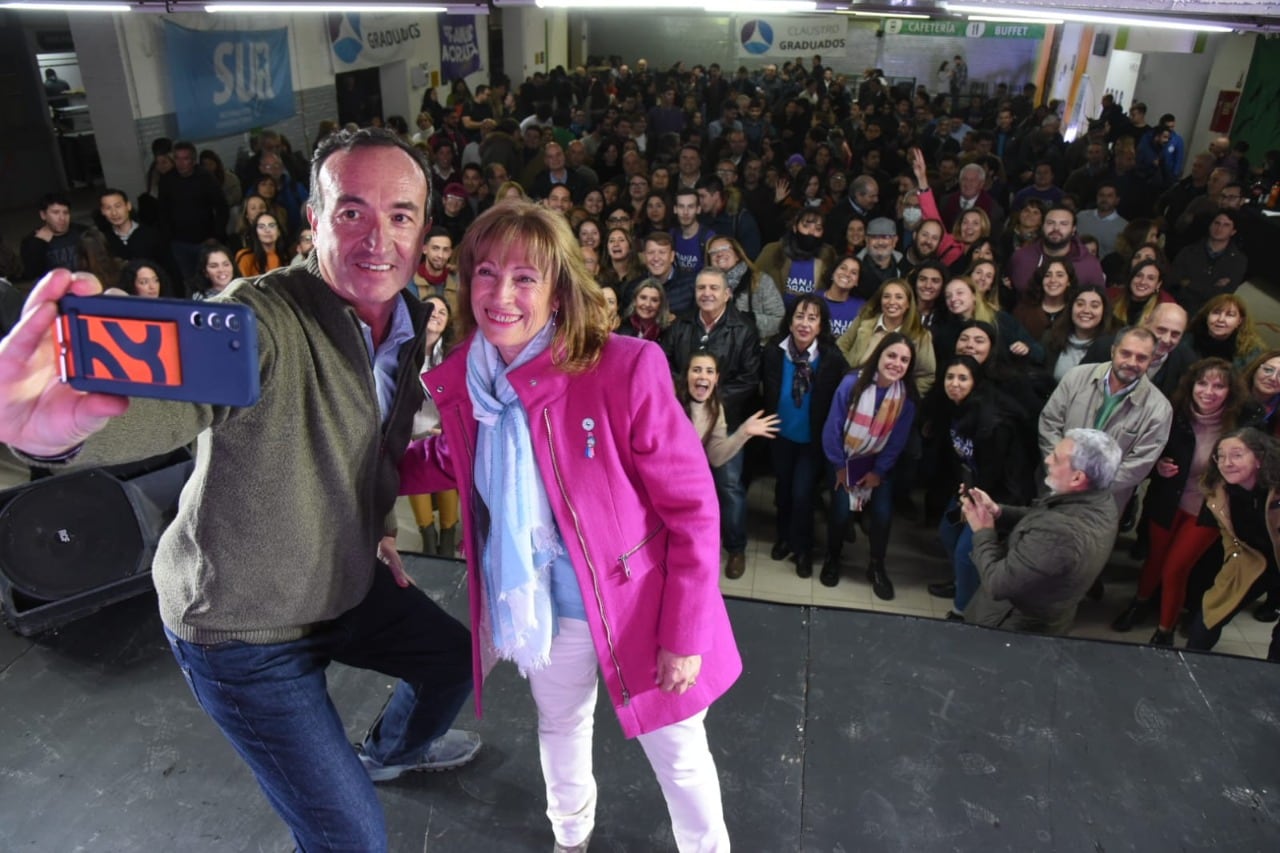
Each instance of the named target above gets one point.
<point>717,327</point>
<point>127,238</point>
<point>192,208</point>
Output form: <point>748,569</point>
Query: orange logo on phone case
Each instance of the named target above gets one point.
<point>126,350</point>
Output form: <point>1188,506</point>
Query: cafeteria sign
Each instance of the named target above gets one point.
<point>962,29</point>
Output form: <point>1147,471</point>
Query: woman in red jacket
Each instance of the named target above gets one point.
<point>589,520</point>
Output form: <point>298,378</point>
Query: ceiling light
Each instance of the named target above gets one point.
<point>776,7</point>
<point>1013,19</point>
<point>1090,18</point>
<point>881,14</point>
<point>759,6</point>
<point>288,8</point>
<point>69,6</point>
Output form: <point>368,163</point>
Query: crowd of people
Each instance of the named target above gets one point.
<point>771,231</point>
<point>873,294</point>
<point>797,211</point>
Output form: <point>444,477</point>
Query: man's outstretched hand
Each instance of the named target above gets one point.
<point>39,414</point>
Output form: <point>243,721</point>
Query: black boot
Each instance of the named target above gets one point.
<point>830,574</point>
<point>804,565</point>
<point>946,589</point>
<point>1162,638</point>
<point>1132,616</point>
<point>880,583</point>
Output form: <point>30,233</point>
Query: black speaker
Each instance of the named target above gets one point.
<point>1101,43</point>
<point>73,544</point>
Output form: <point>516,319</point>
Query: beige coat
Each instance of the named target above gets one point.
<point>1243,565</point>
<point>861,338</point>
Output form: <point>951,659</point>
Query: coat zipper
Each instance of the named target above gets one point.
<point>595,580</point>
<point>623,559</point>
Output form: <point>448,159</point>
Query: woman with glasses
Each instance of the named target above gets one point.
<point>1208,404</point>
<point>755,294</point>
<point>263,252</point>
<point>618,216</point>
<point>1262,379</point>
<point>637,195</point>
<point>1242,487</point>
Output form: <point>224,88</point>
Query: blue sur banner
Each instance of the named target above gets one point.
<point>459,46</point>
<point>225,82</point>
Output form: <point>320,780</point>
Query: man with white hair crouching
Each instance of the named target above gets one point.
<point>1036,578</point>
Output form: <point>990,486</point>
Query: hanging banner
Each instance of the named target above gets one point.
<point>962,29</point>
<point>459,46</point>
<point>367,41</point>
<point>783,37</point>
<point>227,82</point>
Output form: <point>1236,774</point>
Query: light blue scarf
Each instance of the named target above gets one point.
<point>522,542</point>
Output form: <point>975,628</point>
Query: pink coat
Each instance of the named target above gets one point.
<point>639,517</point>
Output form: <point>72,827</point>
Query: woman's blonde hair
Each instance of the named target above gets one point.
<point>911,326</point>
<point>983,218</point>
<point>981,310</point>
<point>541,238</point>
<point>1247,338</point>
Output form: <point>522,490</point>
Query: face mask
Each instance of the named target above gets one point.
<point>808,243</point>
<point>911,216</point>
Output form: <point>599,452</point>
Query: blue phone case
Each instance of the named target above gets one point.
<point>167,349</point>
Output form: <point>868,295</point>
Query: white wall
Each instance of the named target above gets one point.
<point>1230,69</point>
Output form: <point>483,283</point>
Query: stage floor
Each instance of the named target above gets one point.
<point>849,731</point>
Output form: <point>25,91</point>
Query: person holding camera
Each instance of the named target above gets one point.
<point>1056,547</point>
<point>254,609</point>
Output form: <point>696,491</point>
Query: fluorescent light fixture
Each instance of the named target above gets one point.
<point>1013,19</point>
<point>59,6</point>
<point>599,6</point>
<point>881,14</point>
<point>759,6</point>
<point>776,7</point>
<point>288,8</point>
<point>1089,18</point>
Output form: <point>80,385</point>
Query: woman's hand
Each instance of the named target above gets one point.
<point>1166,467</point>
<point>1019,349</point>
<point>388,555</point>
<point>677,673</point>
<point>869,480</point>
<point>919,169</point>
<point>781,188</point>
<point>842,478</point>
<point>761,425</point>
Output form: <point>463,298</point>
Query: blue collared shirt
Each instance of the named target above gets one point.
<point>385,357</point>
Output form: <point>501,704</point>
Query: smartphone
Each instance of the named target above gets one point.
<point>167,349</point>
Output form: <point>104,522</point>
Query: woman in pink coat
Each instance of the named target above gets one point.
<point>589,520</point>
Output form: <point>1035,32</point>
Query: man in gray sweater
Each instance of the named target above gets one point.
<point>270,570</point>
<point>1035,580</point>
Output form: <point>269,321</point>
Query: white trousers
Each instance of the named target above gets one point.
<point>565,693</point>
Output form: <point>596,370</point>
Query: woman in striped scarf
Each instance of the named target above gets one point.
<point>865,433</point>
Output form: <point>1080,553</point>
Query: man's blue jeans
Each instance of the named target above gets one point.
<point>733,504</point>
<point>957,539</point>
<point>271,702</point>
